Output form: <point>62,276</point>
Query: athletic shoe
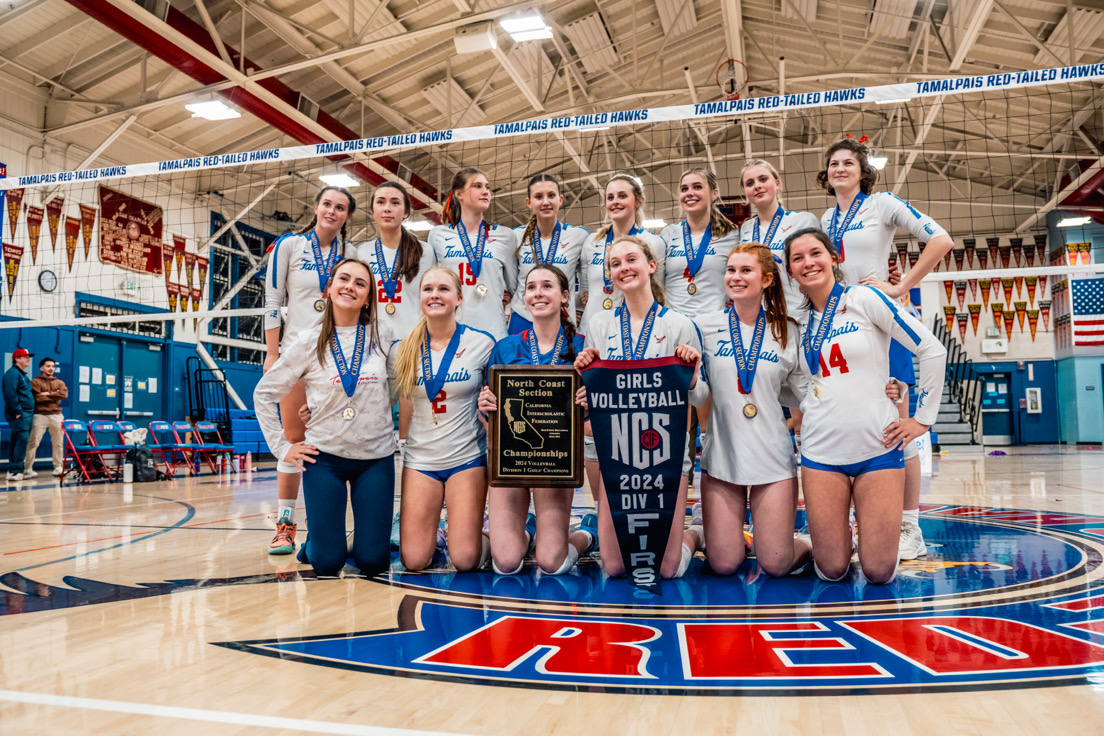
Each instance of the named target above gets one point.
<point>912,542</point>
<point>30,474</point>
<point>589,524</point>
<point>696,515</point>
<point>349,542</point>
<point>15,476</point>
<point>59,472</point>
<point>284,541</point>
<point>531,530</point>
<point>395,531</point>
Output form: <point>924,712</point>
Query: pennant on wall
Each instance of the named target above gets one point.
<point>201,266</point>
<point>1007,285</point>
<point>195,298</point>
<point>985,289</point>
<point>1033,321</point>
<point>1032,285</point>
<point>948,286</point>
<point>167,258</point>
<point>1029,256</point>
<point>1019,284</point>
<point>975,315</point>
<point>949,316</point>
<point>962,326</point>
<point>960,292</point>
<point>185,294</point>
<point>1005,256</point>
<point>1044,311</point>
<point>1071,254</point>
<point>88,221</point>
<point>1042,284</point>
<point>983,259</point>
<point>970,247</point>
<point>913,257</point>
<point>174,291</point>
<point>1085,251</point>
<point>15,205</point>
<point>72,232</point>
<point>959,257</point>
<point>1021,312</point>
<point>35,215</point>
<point>1009,320</point>
<point>902,254</point>
<point>973,287</point>
<point>998,311</point>
<point>53,218</point>
<point>1017,250</point>
<point>947,259</point>
<point>994,249</point>
<point>189,268</point>
<point>1040,246</point>
<point>13,255</point>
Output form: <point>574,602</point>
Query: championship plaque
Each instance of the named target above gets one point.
<point>536,436</point>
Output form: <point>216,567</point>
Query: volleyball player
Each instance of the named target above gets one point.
<point>861,225</point>
<point>551,340</point>
<point>440,368</point>
<point>343,364</point>
<point>651,330</point>
<point>544,239</point>
<point>624,216</point>
<point>853,435</point>
<point>299,268</point>
<point>483,256</point>
<point>749,351</point>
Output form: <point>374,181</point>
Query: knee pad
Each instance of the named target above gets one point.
<point>290,469</point>
<point>684,563</point>
<point>590,450</point>
<point>910,450</point>
<point>569,561</point>
<point>486,553</point>
<point>494,566</point>
<point>827,579</point>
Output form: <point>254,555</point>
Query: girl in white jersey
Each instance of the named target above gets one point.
<point>862,224</point>
<point>597,292</point>
<point>440,368</point>
<point>632,267</point>
<point>299,267</point>
<point>343,363</point>
<point>852,434</point>
<point>749,351</point>
<point>697,247</point>
<point>483,256</point>
<point>550,341</point>
<point>544,239</point>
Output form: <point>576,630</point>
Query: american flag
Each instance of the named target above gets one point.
<point>1088,311</point>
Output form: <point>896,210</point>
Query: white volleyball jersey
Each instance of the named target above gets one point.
<point>292,281</point>
<point>457,437</point>
<point>592,268</point>
<point>498,273</point>
<point>737,449</point>
<point>791,223</point>
<point>846,409</point>
<point>868,239</point>
<point>708,282</point>
<point>568,251</point>
<point>406,299</point>
<point>369,434</point>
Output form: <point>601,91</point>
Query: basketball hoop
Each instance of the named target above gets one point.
<point>732,77</point>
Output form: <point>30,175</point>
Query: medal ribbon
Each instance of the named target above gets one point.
<point>388,274</point>
<point>607,282</point>
<point>837,234</point>
<point>627,349</point>
<point>534,349</point>
<point>349,372</point>
<point>776,220</point>
<point>326,265</point>
<point>435,382</point>
<point>474,255</point>
<point>535,245</point>
<point>812,345</point>
<point>694,259</point>
<point>747,362</point>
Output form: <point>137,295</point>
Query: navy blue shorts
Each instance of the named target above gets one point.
<point>894,459</point>
<point>442,476</point>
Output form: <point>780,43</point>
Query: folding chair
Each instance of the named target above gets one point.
<point>87,457</point>
<point>107,436</point>
<point>162,441</point>
<point>180,429</point>
<point>209,438</point>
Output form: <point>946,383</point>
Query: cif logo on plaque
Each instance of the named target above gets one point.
<point>636,407</point>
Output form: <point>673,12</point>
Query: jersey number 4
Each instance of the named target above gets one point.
<point>397,299</point>
<point>835,359</point>
<point>438,403</point>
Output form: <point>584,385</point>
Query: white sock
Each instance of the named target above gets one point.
<point>911,517</point>
<point>286,512</point>
<point>569,560</point>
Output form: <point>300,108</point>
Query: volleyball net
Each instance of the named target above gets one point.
<point>180,247</point>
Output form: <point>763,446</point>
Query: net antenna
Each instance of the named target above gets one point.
<point>732,77</point>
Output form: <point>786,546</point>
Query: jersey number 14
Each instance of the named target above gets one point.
<point>835,359</point>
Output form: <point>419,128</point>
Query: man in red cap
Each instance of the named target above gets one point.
<point>18,409</point>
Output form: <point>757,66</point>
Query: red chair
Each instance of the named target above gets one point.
<point>209,438</point>
<point>87,457</point>
<point>180,430</point>
<point>163,442</point>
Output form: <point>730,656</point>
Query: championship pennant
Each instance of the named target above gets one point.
<point>87,222</point>
<point>167,262</point>
<point>1033,321</point>
<point>948,286</point>
<point>1019,284</point>
<point>1032,286</point>
<point>201,266</point>
<point>1009,320</point>
<point>962,318</point>
<point>960,292</point>
<point>994,249</point>
<point>178,246</point>
<point>1007,284</point>
<point>1044,312</point>
<point>983,259</point>
<point>1017,250</point>
<point>641,453</point>
<point>973,287</point>
<point>969,248</point>
<point>1084,251</point>
<point>959,257</point>
<point>1040,247</point>
<point>949,315</point>
<point>986,285</point>
<point>13,254</point>
<point>189,267</point>
<point>174,292</point>
<point>1005,255</point>
<point>975,315</point>
<point>35,215</point>
<point>1021,312</point>
<point>15,205</point>
<point>72,232</point>
<point>998,311</point>
<point>53,218</point>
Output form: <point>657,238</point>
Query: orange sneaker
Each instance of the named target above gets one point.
<point>284,541</point>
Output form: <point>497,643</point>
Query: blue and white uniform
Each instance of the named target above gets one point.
<point>292,281</point>
<point>405,296</point>
<point>514,350</point>
<point>497,273</point>
<point>592,271</point>
<point>845,406</point>
<point>456,437</point>
<point>669,330</point>
<point>709,289</point>
<point>737,449</point>
<point>752,231</point>
<point>569,246</point>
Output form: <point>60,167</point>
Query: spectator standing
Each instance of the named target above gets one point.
<point>48,392</point>
<point>18,409</point>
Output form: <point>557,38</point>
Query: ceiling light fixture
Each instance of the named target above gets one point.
<point>1074,221</point>
<point>212,110</point>
<point>339,180</point>
<point>528,27</point>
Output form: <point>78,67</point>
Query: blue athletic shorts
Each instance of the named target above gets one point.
<point>900,363</point>
<point>442,476</point>
<point>889,461</point>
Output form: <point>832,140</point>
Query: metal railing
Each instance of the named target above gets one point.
<point>962,379</point>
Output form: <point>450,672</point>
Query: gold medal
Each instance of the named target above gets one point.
<point>481,289</point>
<point>349,412</point>
<point>390,308</point>
<point>750,410</point>
<point>319,305</point>
<point>607,303</point>
<point>692,288</point>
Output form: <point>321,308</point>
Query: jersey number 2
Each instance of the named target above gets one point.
<point>397,299</point>
<point>438,403</point>
<point>835,359</point>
